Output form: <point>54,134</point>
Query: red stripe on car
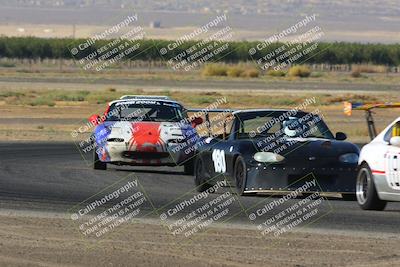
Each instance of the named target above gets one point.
<point>378,172</point>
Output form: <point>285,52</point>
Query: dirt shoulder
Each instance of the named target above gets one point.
<point>40,241</point>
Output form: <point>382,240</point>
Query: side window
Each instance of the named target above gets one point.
<point>229,124</point>
<point>388,134</point>
<point>257,125</point>
<point>392,131</point>
<point>274,128</point>
<point>223,127</point>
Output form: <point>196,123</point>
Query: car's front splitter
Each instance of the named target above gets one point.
<point>341,179</point>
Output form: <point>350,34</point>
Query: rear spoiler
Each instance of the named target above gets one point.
<point>349,107</point>
<point>145,97</point>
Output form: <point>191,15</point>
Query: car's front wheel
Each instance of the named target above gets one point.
<point>240,175</point>
<point>97,163</point>
<point>367,195</point>
<point>199,177</point>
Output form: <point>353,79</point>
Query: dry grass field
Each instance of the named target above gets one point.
<point>48,104</point>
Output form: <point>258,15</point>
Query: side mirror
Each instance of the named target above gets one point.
<point>340,136</point>
<point>197,121</point>
<point>94,119</point>
<point>395,141</point>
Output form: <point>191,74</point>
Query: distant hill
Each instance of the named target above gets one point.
<point>244,7</point>
<point>341,20</point>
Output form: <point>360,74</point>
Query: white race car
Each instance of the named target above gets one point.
<point>144,130</point>
<point>378,179</point>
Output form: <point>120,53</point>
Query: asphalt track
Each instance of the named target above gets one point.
<point>53,177</point>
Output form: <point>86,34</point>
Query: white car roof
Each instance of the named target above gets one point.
<point>126,99</point>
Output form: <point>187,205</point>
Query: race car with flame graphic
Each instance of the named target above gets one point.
<point>144,130</point>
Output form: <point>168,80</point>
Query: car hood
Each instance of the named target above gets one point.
<point>308,148</point>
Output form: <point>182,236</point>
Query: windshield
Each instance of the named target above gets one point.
<point>146,111</point>
<point>282,124</point>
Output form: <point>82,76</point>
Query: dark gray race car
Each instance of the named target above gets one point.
<point>272,150</point>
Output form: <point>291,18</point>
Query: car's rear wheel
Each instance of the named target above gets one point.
<point>199,177</point>
<point>97,163</point>
<point>367,195</point>
<point>240,175</point>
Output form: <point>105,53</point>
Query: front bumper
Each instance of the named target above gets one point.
<point>338,179</point>
<point>157,156</point>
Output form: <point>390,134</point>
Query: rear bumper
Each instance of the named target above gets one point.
<point>339,179</point>
<point>385,192</point>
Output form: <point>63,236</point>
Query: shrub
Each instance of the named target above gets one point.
<point>369,68</point>
<point>235,71</point>
<point>215,70</point>
<point>7,65</point>
<point>352,98</point>
<point>203,100</point>
<point>251,73</point>
<point>39,101</point>
<point>68,96</point>
<point>355,74</point>
<point>11,94</point>
<point>99,97</point>
<point>276,73</point>
<point>316,75</point>
<point>299,71</point>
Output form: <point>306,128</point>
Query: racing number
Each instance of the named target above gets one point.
<point>218,157</point>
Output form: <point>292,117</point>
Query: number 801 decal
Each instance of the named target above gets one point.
<point>218,157</point>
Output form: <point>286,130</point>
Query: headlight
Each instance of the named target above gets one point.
<point>268,157</point>
<point>349,158</point>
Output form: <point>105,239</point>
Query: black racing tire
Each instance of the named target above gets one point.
<point>199,178</point>
<point>240,175</point>
<point>349,197</point>
<point>367,196</point>
<point>97,163</point>
<point>188,167</point>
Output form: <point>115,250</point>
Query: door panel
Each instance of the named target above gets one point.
<point>392,167</point>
